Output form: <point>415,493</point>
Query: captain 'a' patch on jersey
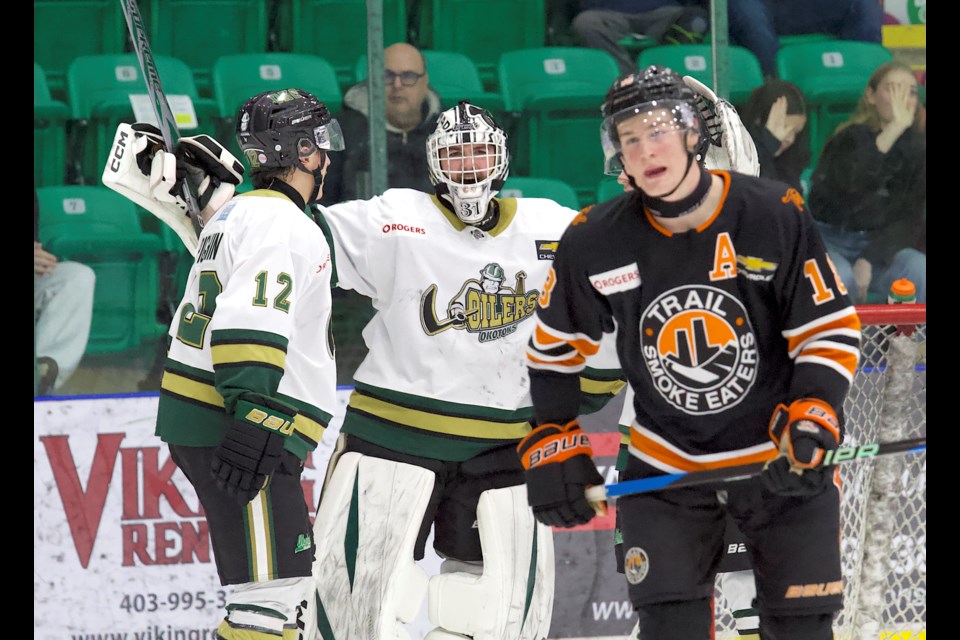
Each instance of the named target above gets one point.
<point>486,306</point>
<point>699,348</point>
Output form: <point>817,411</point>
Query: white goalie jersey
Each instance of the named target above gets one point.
<point>455,308</point>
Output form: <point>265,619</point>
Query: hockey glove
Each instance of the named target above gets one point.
<point>134,170</point>
<point>211,171</point>
<point>803,432</point>
<point>559,469</point>
<point>251,449</point>
<point>731,146</point>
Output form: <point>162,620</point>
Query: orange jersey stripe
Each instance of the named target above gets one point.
<point>574,362</point>
<point>848,321</point>
<point>677,460</point>
<point>845,359</point>
<point>543,336</point>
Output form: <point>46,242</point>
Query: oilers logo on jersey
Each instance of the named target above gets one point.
<point>699,348</point>
<point>484,305</point>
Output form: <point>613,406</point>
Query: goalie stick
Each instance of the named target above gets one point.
<point>599,493</point>
<point>161,108</point>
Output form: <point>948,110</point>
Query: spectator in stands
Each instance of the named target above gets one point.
<point>758,24</point>
<point>62,310</point>
<point>412,109</point>
<point>869,189</point>
<point>776,115</point>
<point>601,24</point>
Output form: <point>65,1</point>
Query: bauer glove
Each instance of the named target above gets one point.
<point>252,448</point>
<point>559,469</point>
<point>803,432</point>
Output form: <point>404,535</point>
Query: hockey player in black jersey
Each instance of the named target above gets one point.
<point>739,342</point>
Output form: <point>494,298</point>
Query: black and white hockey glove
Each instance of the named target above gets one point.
<point>731,146</point>
<point>211,171</point>
<point>559,468</point>
<point>252,448</point>
<point>803,432</point>
<point>140,169</point>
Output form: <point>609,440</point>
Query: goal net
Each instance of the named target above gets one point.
<point>883,513</point>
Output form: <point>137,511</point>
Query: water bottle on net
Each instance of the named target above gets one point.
<point>902,291</point>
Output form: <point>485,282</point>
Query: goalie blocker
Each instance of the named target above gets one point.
<point>141,170</point>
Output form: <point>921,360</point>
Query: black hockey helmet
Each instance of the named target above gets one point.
<point>277,128</point>
<point>650,88</point>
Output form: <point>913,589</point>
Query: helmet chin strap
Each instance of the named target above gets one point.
<point>675,209</point>
<point>317,175</point>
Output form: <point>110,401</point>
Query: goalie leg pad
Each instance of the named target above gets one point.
<point>365,530</point>
<point>512,597</point>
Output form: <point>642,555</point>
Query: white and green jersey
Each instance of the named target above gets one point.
<point>254,321</point>
<point>445,375</point>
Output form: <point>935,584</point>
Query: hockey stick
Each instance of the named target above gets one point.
<point>161,108</point>
<point>600,493</point>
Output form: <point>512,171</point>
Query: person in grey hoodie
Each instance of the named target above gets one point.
<point>412,108</point>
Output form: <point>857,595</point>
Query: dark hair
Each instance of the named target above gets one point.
<point>791,163</point>
<point>263,177</point>
<point>761,101</point>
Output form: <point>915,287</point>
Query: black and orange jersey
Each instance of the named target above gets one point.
<point>715,326</point>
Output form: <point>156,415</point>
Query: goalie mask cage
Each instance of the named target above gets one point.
<point>883,510</point>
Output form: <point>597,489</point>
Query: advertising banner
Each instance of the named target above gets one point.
<point>122,550</point>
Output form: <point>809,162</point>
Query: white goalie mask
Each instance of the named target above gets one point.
<point>468,160</point>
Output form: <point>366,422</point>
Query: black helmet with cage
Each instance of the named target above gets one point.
<point>278,128</point>
<point>640,91</point>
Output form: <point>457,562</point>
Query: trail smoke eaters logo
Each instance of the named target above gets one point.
<point>484,305</point>
<point>636,565</point>
<point>699,348</point>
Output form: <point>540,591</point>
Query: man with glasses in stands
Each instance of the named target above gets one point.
<point>412,108</point>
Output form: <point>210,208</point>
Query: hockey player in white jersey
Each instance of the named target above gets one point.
<point>249,382</point>
<point>440,402</point>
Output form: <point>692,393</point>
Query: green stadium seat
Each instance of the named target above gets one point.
<point>101,228</point>
<point>608,188</point>
<point>200,31</point>
<point>482,29</point>
<point>697,60</point>
<point>529,187</point>
<point>337,30</point>
<point>65,29</point>
<point>49,133</point>
<point>237,77</point>
<point>174,261</point>
<point>832,75</point>
<point>554,95</point>
<point>101,90</point>
<point>454,76</point>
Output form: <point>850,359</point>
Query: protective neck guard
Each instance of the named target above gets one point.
<point>289,191</point>
<point>682,207</point>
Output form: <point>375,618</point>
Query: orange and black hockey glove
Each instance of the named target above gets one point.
<point>803,432</point>
<point>559,468</point>
<point>252,447</point>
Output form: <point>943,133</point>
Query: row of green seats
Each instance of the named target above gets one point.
<point>102,229</point>
<point>200,31</point>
